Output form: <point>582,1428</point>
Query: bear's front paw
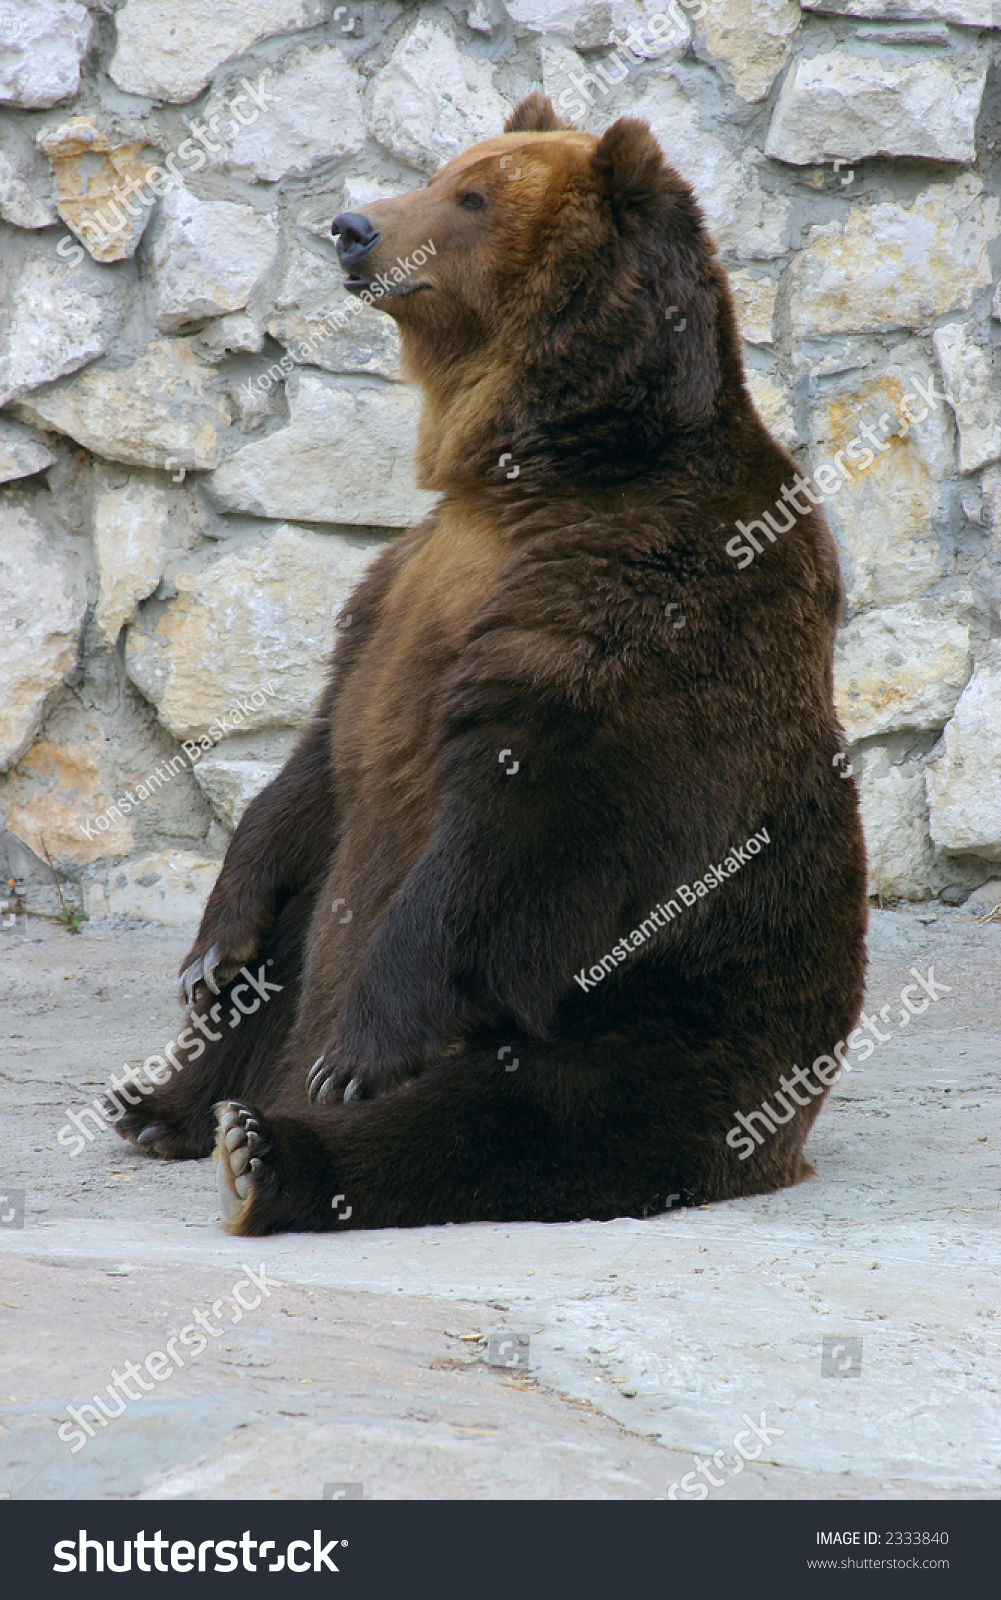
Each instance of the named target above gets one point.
<point>213,969</point>
<point>329,1080</point>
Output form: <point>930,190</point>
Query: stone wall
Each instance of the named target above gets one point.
<point>199,457</point>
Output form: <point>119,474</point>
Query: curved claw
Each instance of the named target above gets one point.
<point>351,1092</point>
<point>209,963</point>
<point>201,970</point>
<point>186,983</point>
<point>315,1079</point>
<point>150,1134</point>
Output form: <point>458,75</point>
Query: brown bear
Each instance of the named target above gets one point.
<point>522,959</point>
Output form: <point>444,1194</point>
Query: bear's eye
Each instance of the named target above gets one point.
<point>472,200</point>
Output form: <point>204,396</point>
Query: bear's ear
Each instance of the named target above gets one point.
<point>535,114</point>
<point>628,165</point>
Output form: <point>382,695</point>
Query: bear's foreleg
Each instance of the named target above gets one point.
<point>281,847</point>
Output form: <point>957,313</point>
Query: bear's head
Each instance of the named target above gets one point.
<point>558,297</point>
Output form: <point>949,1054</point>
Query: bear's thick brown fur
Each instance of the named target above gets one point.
<point>574,323</point>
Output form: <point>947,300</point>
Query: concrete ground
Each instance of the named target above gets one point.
<point>649,1340</point>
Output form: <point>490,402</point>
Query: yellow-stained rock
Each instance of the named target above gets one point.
<point>774,405</point>
<point>54,797</point>
<point>883,517</point>
<point>90,170</point>
<point>754,299</point>
<point>245,645</point>
<point>904,667</point>
<point>752,38</point>
<point>895,266</point>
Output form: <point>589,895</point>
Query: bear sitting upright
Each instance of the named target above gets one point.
<point>559,708</point>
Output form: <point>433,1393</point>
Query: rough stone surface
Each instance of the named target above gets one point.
<point>41,46</point>
<point>130,543</point>
<point>969,13</point>
<point>52,790</point>
<point>964,784</point>
<point>774,406</point>
<point>886,518</point>
<point>855,107</point>
<point>207,258</point>
<point>26,196</point>
<point>169,887</point>
<point>58,322</point>
<point>895,820</point>
<point>985,899</point>
<point>309,294</point>
<point>592,26</point>
<point>162,410</point>
<point>974,393</point>
<point>42,604</point>
<point>906,1158</point>
<point>231,335</point>
<point>169,49</point>
<point>896,266</point>
<point>430,102</point>
<point>21,451</point>
<point>752,38</point>
<point>288,474</point>
<point>257,620</point>
<point>176,410</point>
<point>901,668</point>
<point>90,171</point>
<point>317,116</point>
<point>755,302</point>
<point>238,769</point>
<point>742,215</point>
<point>651,31</point>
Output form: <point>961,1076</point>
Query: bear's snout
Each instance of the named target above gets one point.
<point>355,236</point>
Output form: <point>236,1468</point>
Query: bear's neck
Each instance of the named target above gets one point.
<point>474,435</point>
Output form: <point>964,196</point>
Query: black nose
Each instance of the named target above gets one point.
<point>354,234</point>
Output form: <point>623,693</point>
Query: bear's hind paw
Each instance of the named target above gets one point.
<point>243,1152</point>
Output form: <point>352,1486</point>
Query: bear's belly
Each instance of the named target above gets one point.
<point>383,741</point>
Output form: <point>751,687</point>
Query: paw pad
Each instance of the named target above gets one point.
<point>240,1137</point>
